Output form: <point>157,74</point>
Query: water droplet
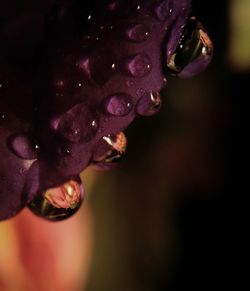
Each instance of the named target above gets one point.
<point>138,33</point>
<point>193,53</point>
<point>164,10</point>
<point>118,104</point>
<point>78,124</point>
<point>110,150</point>
<point>60,202</point>
<point>149,104</point>
<point>130,83</point>
<point>23,147</point>
<point>89,17</point>
<point>139,65</point>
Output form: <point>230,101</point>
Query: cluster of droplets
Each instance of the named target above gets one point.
<point>111,148</point>
<point>80,124</point>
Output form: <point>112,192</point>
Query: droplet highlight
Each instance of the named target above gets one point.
<point>139,65</point>
<point>60,202</point>
<point>149,104</point>
<point>118,104</point>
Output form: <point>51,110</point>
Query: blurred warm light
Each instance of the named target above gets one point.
<point>39,255</point>
<point>239,49</point>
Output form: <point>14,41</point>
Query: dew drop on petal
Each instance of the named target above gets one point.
<point>119,104</point>
<point>139,65</point>
<point>22,147</point>
<point>60,202</point>
<point>164,10</point>
<point>129,83</point>
<point>78,124</point>
<point>149,104</point>
<point>110,150</point>
<point>138,33</point>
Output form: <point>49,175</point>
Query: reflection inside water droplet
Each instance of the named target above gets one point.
<point>110,150</point>
<point>193,53</point>
<point>60,202</point>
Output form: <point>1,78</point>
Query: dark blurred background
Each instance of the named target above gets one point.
<point>171,218</point>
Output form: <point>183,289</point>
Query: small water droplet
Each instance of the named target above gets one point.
<point>129,83</point>
<point>78,124</point>
<point>110,150</point>
<point>164,10</point>
<point>138,7</point>
<point>140,92</point>
<point>118,104</point>
<point>89,17</point>
<point>139,66</point>
<point>23,147</point>
<point>138,33</point>
<point>149,104</point>
<point>60,202</point>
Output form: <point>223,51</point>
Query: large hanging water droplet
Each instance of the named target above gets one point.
<point>164,10</point>
<point>110,150</point>
<point>149,104</point>
<point>119,104</point>
<point>78,124</point>
<point>22,147</point>
<point>194,52</point>
<point>138,33</point>
<point>60,202</point>
<point>139,66</point>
